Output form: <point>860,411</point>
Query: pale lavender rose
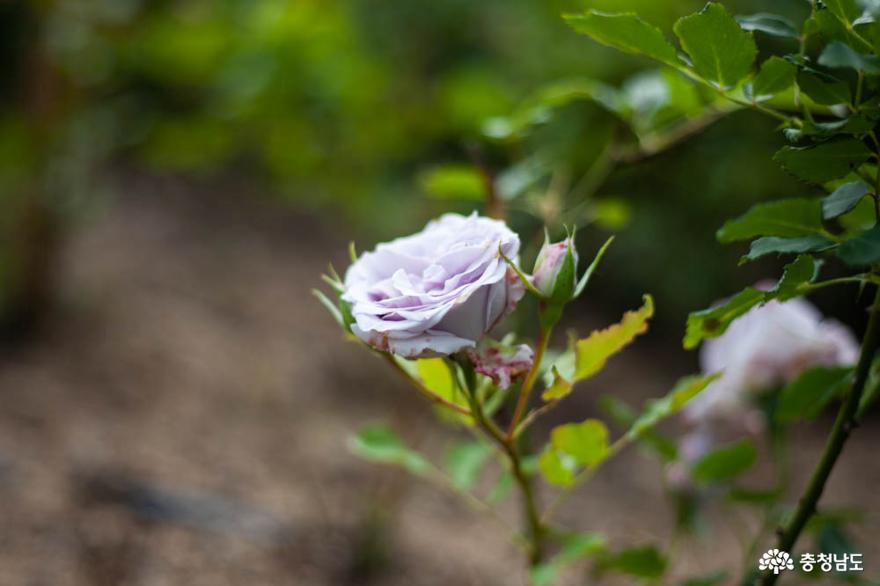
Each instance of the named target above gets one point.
<point>549,263</point>
<point>770,345</point>
<point>436,292</point>
<point>503,364</point>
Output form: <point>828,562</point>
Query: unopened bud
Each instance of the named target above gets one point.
<point>549,268</point>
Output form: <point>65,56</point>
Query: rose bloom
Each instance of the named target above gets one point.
<point>769,346</point>
<point>436,292</point>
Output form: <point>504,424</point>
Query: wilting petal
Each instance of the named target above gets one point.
<point>503,364</point>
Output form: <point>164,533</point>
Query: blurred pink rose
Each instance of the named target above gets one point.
<point>436,292</point>
<point>770,345</point>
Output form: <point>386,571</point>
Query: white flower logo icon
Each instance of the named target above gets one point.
<point>776,560</point>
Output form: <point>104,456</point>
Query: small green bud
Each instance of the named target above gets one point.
<point>554,275</point>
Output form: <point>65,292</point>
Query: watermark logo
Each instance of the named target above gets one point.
<point>775,560</point>
<point>778,561</point>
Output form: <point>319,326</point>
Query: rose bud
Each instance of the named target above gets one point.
<point>554,275</point>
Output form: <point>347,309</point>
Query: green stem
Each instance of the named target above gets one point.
<point>529,382</point>
<point>790,120</point>
<point>843,426</point>
<point>421,388</point>
<point>530,506</point>
<point>536,530</point>
<point>860,279</point>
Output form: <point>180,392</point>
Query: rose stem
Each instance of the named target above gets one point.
<point>529,382</point>
<point>536,530</point>
<point>421,387</point>
<point>843,425</point>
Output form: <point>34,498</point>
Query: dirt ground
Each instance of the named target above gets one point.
<point>181,420</point>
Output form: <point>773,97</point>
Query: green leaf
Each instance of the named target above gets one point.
<point>845,10</point>
<point>643,562</point>
<point>537,110</point>
<point>501,489</point>
<point>786,218</point>
<point>557,469</point>
<point>610,213</point>
<point>559,388</point>
<point>771,244</point>
<point>859,219</point>
<point>843,199</point>
<point>437,378</point>
<point>626,32</point>
<point>776,75</point>
<point>863,250</point>
<point>771,24</point>
<point>574,547</point>
<point>720,49</point>
<point>593,352</point>
<point>380,443</point>
<point>807,395</point>
<point>853,125</point>
<point>622,414</point>
<point>454,182</point>
<point>725,462</point>
<point>712,322</point>
<point>684,390</point>
<point>757,497</point>
<point>830,27</point>
<point>842,56</point>
<point>617,410</point>
<point>824,162</point>
<point>824,89</point>
<point>803,270</point>
<point>586,442</point>
<point>464,462</point>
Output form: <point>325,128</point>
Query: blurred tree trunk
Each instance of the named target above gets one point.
<point>30,234</point>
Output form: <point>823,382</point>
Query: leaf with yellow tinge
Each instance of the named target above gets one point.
<point>593,352</point>
<point>658,409</point>
<point>557,469</point>
<point>586,442</point>
<point>437,378</point>
<point>559,389</point>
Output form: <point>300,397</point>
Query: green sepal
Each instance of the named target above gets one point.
<point>585,278</point>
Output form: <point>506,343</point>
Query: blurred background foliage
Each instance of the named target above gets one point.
<point>378,115</point>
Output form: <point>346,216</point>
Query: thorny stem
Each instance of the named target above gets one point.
<point>843,426</point>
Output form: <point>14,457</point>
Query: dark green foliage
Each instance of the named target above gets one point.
<point>725,462</point>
